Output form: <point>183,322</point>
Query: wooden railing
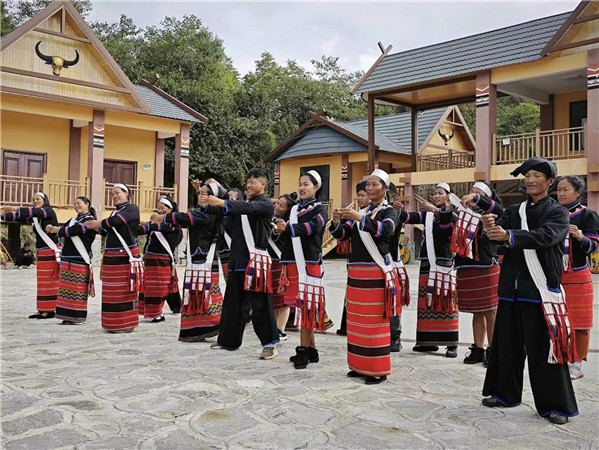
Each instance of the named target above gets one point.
<point>18,191</point>
<point>566,143</point>
<point>145,197</point>
<point>452,159</point>
<point>327,237</point>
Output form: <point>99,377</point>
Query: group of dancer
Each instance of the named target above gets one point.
<point>271,255</point>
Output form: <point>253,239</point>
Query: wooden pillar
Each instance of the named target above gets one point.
<point>347,187</point>
<point>547,115</point>
<point>182,165</point>
<point>409,202</point>
<point>74,152</point>
<point>592,129</point>
<point>277,180</point>
<point>95,161</point>
<point>159,162</point>
<point>486,125</point>
<point>372,153</point>
<point>414,136</point>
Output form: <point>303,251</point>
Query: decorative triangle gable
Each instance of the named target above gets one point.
<point>579,33</point>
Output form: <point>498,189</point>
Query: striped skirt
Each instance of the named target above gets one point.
<point>477,289</point>
<point>197,327</point>
<point>158,283</point>
<point>48,273</point>
<point>278,295</point>
<point>578,285</point>
<point>433,327</point>
<point>367,330</point>
<point>73,291</point>
<point>119,303</point>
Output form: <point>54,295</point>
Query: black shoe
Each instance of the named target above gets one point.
<point>353,374</point>
<point>557,419</point>
<point>452,351</point>
<point>476,355</point>
<point>425,348</point>
<point>36,315</point>
<point>46,315</point>
<point>341,332</point>
<point>487,354</point>
<point>301,358</point>
<point>375,380</point>
<point>395,346</point>
<point>492,402</point>
<point>158,319</point>
<point>313,355</point>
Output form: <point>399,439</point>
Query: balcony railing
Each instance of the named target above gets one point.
<point>566,143</point>
<point>19,191</point>
<point>451,159</point>
<point>145,197</point>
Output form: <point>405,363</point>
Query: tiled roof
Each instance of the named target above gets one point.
<point>496,48</point>
<point>161,107</point>
<point>392,134</point>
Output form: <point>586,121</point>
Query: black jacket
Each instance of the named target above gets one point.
<point>202,231</point>
<point>548,223</point>
<point>172,234</point>
<point>442,231</point>
<point>259,211</point>
<point>587,221</point>
<point>46,215</point>
<point>380,224</point>
<point>312,219</point>
<point>69,251</point>
<point>125,221</point>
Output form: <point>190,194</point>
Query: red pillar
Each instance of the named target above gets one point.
<point>182,165</point>
<point>74,152</point>
<point>347,187</point>
<point>486,125</point>
<point>159,162</point>
<point>95,161</point>
<point>277,180</point>
<point>372,153</point>
<point>547,115</point>
<point>409,202</point>
<point>592,129</point>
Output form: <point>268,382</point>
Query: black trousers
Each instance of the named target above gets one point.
<point>236,310</point>
<point>521,332</point>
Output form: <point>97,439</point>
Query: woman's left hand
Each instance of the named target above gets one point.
<point>279,226</point>
<point>576,233</point>
<point>51,229</point>
<point>350,214</point>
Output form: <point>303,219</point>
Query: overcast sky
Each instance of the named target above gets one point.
<point>305,31</point>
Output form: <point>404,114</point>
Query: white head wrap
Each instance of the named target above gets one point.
<point>316,175</point>
<point>122,186</point>
<point>483,187</point>
<point>444,185</point>
<point>384,176</point>
<point>166,202</point>
<point>41,194</point>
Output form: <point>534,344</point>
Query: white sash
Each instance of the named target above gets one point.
<point>164,243</point>
<point>136,262</point>
<point>79,245</point>
<point>42,233</point>
<point>275,248</point>
<point>198,276</point>
<point>441,279</point>
<point>553,302</point>
<point>227,239</point>
<point>257,273</point>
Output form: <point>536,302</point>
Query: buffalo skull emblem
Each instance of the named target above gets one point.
<point>56,62</point>
<point>446,137</point>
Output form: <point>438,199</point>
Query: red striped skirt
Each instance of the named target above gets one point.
<point>48,273</point>
<point>367,329</point>
<point>433,327</point>
<point>578,285</point>
<point>119,303</point>
<point>290,283</point>
<point>477,289</point>
<point>198,327</point>
<point>73,291</point>
<point>278,295</point>
<point>158,283</point>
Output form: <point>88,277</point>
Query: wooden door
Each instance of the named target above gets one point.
<point>24,172</point>
<point>125,172</point>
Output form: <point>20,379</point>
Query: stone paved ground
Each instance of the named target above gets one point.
<point>81,388</point>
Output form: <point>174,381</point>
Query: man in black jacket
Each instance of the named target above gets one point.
<point>239,296</point>
<point>521,328</point>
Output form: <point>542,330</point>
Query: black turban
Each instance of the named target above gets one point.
<point>539,164</point>
<point>361,186</point>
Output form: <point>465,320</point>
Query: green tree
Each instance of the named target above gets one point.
<point>8,22</point>
<point>22,11</point>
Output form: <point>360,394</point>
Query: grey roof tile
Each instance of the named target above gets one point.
<point>161,107</point>
<point>504,46</point>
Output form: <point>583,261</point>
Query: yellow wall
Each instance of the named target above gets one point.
<point>541,67</point>
<point>561,107</point>
<point>32,133</point>
<point>127,144</point>
<point>290,171</point>
<point>448,176</point>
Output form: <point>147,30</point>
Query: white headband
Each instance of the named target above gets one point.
<point>41,194</point>
<point>214,188</point>
<point>445,186</point>
<point>382,175</point>
<point>166,202</point>
<point>316,175</point>
<point>121,186</point>
<point>483,187</point>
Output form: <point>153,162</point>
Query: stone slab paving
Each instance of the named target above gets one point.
<point>81,388</point>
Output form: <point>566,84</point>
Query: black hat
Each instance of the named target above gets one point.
<point>539,164</point>
<point>361,186</point>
